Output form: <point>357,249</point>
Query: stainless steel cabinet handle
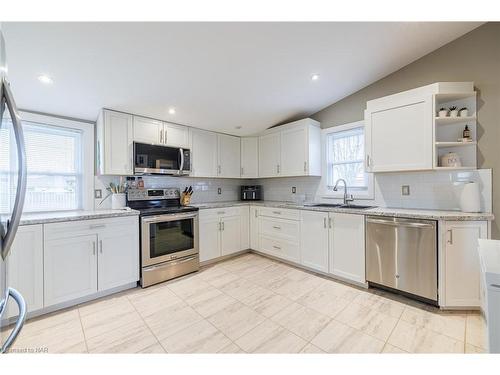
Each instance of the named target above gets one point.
<point>100,246</point>
<point>277,247</point>
<point>17,210</point>
<point>305,166</point>
<point>221,212</point>
<point>161,136</point>
<point>21,304</point>
<point>278,168</point>
<point>222,225</point>
<point>324,222</point>
<point>218,169</point>
<point>97,226</point>
<point>277,212</point>
<point>276,227</point>
<point>256,213</point>
<point>329,222</point>
<point>450,238</point>
<point>93,247</point>
<point>241,171</point>
<point>165,136</point>
<point>367,160</point>
<point>219,226</point>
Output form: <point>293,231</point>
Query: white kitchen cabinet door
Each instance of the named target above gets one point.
<point>204,153</point>
<point>25,265</point>
<point>398,134</point>
<point>114,143</point>
<point>147,130</point>
<point>230,234</point>
<point>175,135</point>
<point>250,157</point>
<point>294,152</point>
<point>228,156</point>
<point>245,228</point>
<point>254,228</point>
<point>314,240</point>
<point>70,268</point>
<point>209,234</point>
<point>270,155</point>
<point>347,246</point>
<point>118,256</point>
<point>461,263</point>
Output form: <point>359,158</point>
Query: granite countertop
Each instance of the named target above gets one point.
<point>55,217</point>
<point>377,211</point>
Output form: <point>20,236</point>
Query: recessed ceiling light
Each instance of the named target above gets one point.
<point>45,79</point>
<point>171,111</point>
<point>314,77</point>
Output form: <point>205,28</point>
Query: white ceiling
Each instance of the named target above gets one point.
<point>217,75</point>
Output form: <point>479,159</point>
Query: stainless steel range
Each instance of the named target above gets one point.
<point>169,234</point>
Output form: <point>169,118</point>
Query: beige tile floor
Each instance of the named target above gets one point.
<point>251,304</point>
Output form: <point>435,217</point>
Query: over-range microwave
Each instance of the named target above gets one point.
<point>154,159</point>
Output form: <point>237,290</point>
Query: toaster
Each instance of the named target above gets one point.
<point>251,193</point>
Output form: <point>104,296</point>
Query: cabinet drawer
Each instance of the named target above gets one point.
<point>280,248</point>
<point>283,213</point>
<point>280,228</point>
<point>85,227</point>
<point>220,212</point>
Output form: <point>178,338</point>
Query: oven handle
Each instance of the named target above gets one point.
<point>171,263</point>
<point>171,217</point>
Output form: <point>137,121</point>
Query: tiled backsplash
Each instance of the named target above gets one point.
<point>205,189</point>
<point>428,190</point>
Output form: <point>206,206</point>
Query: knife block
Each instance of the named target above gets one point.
<point>185,199</point>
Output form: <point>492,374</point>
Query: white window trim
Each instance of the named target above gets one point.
<point>324,192</point>
<point>87,130</point>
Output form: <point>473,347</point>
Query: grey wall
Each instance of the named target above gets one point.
<point>473,57</point>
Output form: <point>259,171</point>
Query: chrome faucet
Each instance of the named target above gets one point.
<point>347,198</point>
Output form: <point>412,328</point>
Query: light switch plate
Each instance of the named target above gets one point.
<point>97,193</point>
<point>294,189</point>
<point>219,191</point>
<point>405,189</point>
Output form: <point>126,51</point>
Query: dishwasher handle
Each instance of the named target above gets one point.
<point>400,223</point>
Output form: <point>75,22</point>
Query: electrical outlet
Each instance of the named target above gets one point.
<point>405,189</point>
<point>294,189</point>
<point>97,193</point>
<point>219,191</point>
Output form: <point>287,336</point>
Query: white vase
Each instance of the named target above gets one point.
<point>464,113</point>
<point>118,201</point>
<point>454,113</point>
<point>443,113</point>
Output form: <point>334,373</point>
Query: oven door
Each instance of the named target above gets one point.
<point>168,237</point>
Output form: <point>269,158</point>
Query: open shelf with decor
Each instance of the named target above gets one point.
<point>455,130</point>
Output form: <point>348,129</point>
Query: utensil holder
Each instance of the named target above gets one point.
<point>185,199</point>
<point>118,201</point>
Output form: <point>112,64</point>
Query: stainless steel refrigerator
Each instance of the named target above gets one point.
<point>11,212</point>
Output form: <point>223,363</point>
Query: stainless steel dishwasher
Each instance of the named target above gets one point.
<point>401,254</point>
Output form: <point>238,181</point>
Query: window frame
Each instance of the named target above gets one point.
<point>87,151</point>
<point>325,191</point>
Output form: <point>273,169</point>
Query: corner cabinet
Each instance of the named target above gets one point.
<point>400,129</point>
<point>292,149</point>
<point>459,263</point>
<point>228,156</point>
<point>114,143</point>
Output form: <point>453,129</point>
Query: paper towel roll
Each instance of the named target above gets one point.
<point>470,199</point>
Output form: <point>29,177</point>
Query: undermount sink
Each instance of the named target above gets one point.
<point>350,206</point>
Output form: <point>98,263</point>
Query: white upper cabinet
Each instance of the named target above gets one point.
<point>175,135</point>
<point>228,150</point>
<point>399,133</point>
<point>147,130</point>
<point>152,131</point>
<point>204,153</point>
<point>249,157</point>
<point>293,149</point>
<point>114,132</point>
<point>270,155</point>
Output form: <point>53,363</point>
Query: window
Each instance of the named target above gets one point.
<point>58,170</point>
<point>344,158</point>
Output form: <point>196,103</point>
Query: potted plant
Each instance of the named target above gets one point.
<point>463,112</point>
<point>453,111</point>
<point>443,112</point>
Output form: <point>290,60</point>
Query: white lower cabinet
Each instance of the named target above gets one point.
<point>70,268</point>
<point>314,240</point>
<point>221,232</point>
<point>461,263</point>
<point>245,227</point>
<point>25,267</point>
<point>85,257</point>
<point>347,246</point>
